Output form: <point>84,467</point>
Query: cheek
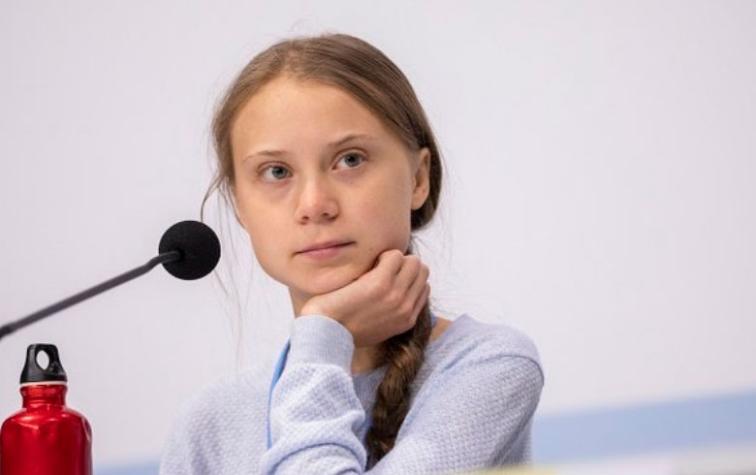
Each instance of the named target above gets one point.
<point>265,236</point>
<point>258,215</point>
<point>386,224</point>
<point>263,231</point>
<point>270,256</point>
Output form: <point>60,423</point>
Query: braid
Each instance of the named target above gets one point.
<point>404,354</point>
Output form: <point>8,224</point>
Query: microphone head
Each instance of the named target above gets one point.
<point>199,248</point>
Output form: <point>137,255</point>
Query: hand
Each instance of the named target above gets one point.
<point>381,303</point>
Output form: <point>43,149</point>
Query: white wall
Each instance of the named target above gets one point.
<point>599,190</point>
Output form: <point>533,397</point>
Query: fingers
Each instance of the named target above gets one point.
<point>411,267</point>
<point>403,282</point>
<point>418,285</point>
<point>390,261</point>
<point>419,303</point>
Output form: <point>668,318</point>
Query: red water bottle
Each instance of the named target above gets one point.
<point>45,437</point>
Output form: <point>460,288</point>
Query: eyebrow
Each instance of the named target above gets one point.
<point>335,143</point>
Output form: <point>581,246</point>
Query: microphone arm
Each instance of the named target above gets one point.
<point>161,258</point>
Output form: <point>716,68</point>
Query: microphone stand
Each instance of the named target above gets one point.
<point>165,257</point>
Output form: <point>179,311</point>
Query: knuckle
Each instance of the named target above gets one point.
<point>413,260</point>
<point>394,299</point>
<point>381,287</point>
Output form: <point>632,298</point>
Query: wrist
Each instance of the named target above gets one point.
<point>318,339</point>
<point>313,310</point>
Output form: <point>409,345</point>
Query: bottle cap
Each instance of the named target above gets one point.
<point>32,373</point>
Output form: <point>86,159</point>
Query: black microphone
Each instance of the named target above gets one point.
<point>188,250</point>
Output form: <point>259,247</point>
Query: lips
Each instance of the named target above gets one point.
<point>324,245</point>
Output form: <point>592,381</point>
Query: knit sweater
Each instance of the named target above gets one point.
<point>471,407</point>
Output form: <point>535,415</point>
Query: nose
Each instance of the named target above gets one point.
<point>317,202</point>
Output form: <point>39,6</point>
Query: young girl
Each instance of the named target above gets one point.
<point>330,164</point>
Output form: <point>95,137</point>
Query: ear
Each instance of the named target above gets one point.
<point>421,179</point>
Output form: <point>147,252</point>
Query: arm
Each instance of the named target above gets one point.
<point>477,415</point>
<point>181,453</point>
<point>478,409</point>
<point>315,413</point>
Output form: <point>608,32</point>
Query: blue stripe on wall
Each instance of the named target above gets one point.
<point>659,427</point>
<point>147,468</point>
<point>602,433</point>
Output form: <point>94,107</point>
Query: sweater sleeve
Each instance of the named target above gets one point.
<point>182,452</point>
<point>478,410</point>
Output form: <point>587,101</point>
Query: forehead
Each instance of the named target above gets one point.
<point>287,111</point>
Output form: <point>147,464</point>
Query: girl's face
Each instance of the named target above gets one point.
<point>312,164</point>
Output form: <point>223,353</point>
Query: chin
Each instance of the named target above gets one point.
<point>322,281</point>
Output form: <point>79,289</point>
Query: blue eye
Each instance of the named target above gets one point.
<point>274,167</point>
<point>352,154</point>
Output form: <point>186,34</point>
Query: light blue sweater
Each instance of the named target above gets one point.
<point>472,405</point>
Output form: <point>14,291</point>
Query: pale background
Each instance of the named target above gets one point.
<point>599,191</point>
